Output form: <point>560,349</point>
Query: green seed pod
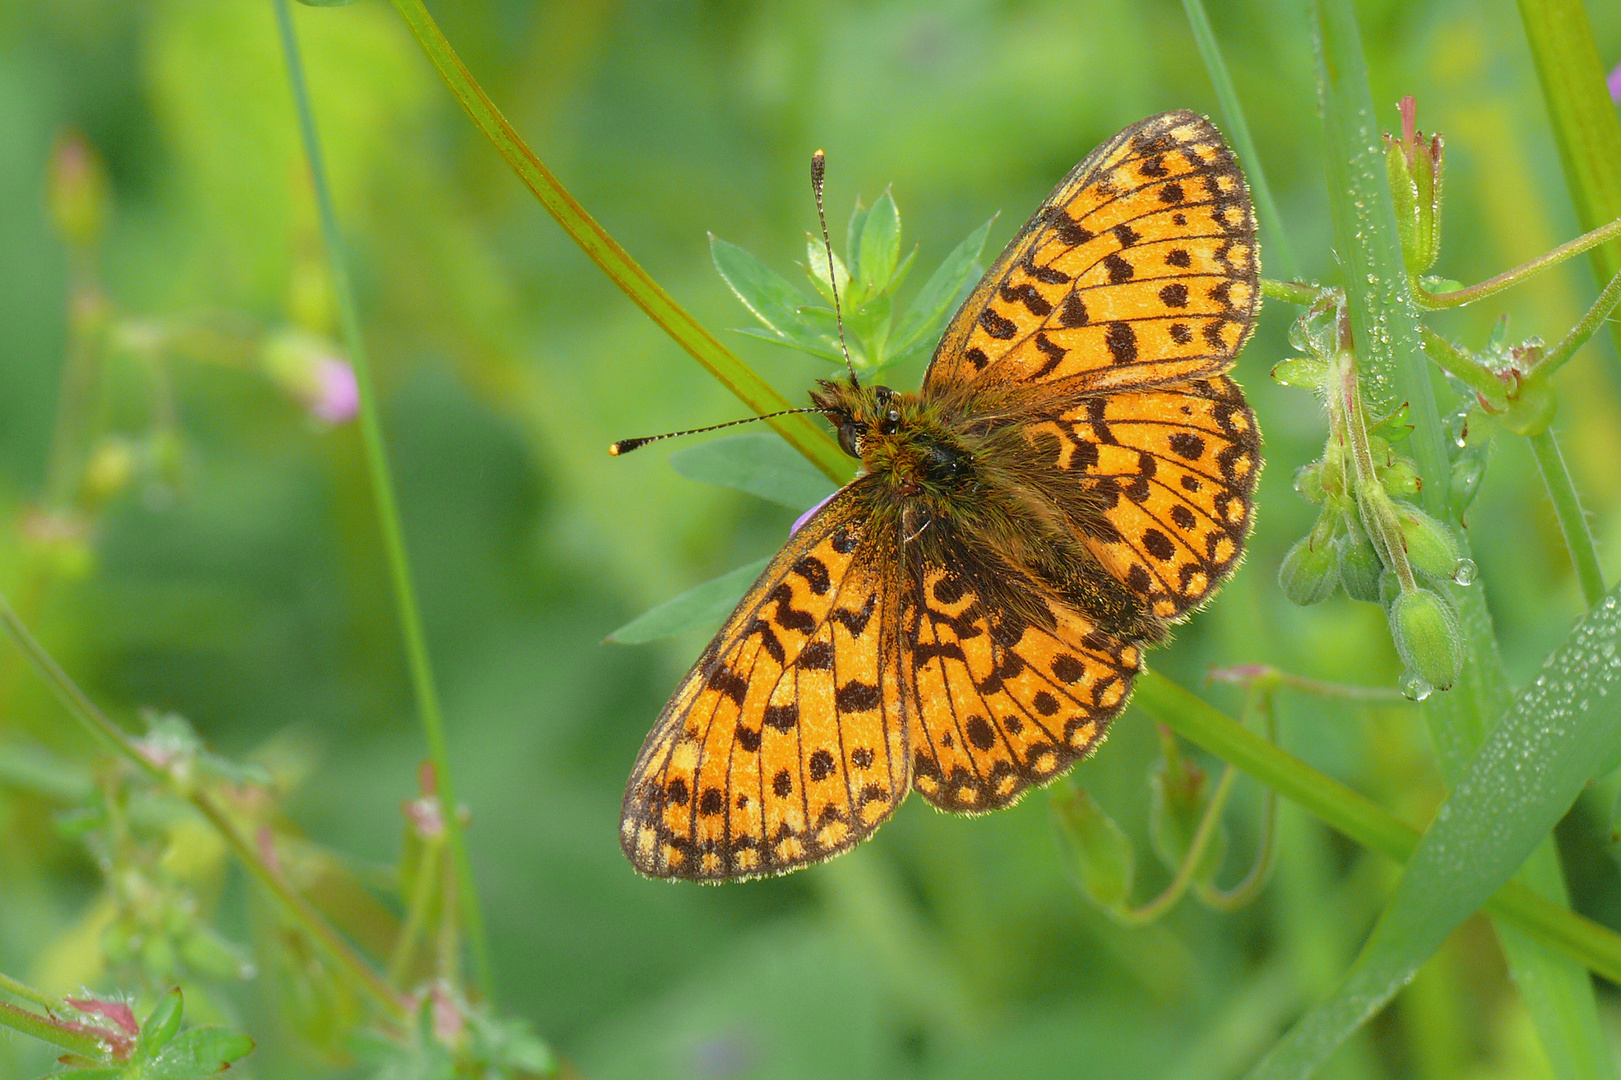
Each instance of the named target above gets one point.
<point>1427,636</point>
<point>1358,563</point>
<point>1308,572</point>
<point>1431,547</point>
<point>1099,852</point>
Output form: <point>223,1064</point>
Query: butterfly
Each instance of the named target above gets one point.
<point>967,615</point>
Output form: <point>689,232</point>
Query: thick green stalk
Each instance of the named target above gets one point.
<point>1558,995</point>
<point>1567,507</point>
<point>1585,125</point>
<point>388,515</point>
<point>801,432</point>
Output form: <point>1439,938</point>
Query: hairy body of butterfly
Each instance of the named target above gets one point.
<point>967,615</point>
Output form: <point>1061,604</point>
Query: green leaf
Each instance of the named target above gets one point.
<point>767,294</point>
<point>198,1053</point>
<point>821,347</point>
<point>700,606</point>
<point>925,319</point>
<point>880,250</point>
<point>326,3</point>
<point>816,267</point>
<point>758,463</point>
<point>852,235</point>
<point>1528,772</point>
<point>161,1025</point>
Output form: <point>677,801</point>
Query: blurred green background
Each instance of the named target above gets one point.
<point>234,572</point>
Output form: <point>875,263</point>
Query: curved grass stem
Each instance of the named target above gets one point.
<point>1364,821</point>
<point>1508,278</point>
<point>388,515</point>
<point>78,704</point>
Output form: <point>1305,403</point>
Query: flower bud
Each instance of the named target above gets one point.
<point>1431,546</point>
<point>313,371</point>
<point>1427,636</point>
<point>1309,482</point>
<point>1306,372</point>
<point>1358,563</point>
<point>1308,572</point>
<point>77,191</point>
<point>1099,852</point>
<point>1400,477</point>
<point>1414,165</point>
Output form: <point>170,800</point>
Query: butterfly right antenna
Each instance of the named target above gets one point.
<point>818,173</point>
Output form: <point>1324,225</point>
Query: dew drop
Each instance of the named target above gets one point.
<point>1465,572</point>
<point>1413,686</point>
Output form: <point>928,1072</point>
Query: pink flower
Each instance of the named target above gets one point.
<point>806,516</point>
<point>338,398</point>
<point>314,372</point>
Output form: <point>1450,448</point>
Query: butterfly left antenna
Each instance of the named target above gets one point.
<point>625,446</point>
<point>818,174</point>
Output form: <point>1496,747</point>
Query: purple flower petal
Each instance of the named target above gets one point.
<point>338,398</point>
<point>1615,84</point>
<point>806,516</point>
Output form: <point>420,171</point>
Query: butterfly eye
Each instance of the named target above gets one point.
<point>850,434</point>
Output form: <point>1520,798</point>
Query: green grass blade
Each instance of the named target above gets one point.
<point>1278,250</point>
<point>1585,125</point>
<point>1388,337</point>
<point>1528,773</point>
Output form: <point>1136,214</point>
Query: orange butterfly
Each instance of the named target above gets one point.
<point>967,615</point>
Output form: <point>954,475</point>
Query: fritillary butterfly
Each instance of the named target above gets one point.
<point>968,614</point>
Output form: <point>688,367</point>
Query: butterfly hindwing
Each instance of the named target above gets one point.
<point>1140,268</point>
<point>1006,696</point>
<point>1159,484</point>
<point>786,743</point>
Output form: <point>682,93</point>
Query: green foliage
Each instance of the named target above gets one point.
<point>187,530</point>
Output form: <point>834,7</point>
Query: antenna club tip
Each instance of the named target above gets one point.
<point>625,446</point>
<point>818,167</point>
<point>613,450</point>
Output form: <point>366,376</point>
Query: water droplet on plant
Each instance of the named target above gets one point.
<point>1413,686</point>
<point>1465,572</point>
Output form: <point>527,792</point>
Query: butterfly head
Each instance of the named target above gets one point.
<point>896,435</point>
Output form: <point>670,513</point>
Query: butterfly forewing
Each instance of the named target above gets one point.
<point>1140,268</point>
<point>786,743</point>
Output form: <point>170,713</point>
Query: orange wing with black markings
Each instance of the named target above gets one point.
<point>1167,477</point>
<point>1140,268</point>
<point>786,743</point>
<point>1005,694</point>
